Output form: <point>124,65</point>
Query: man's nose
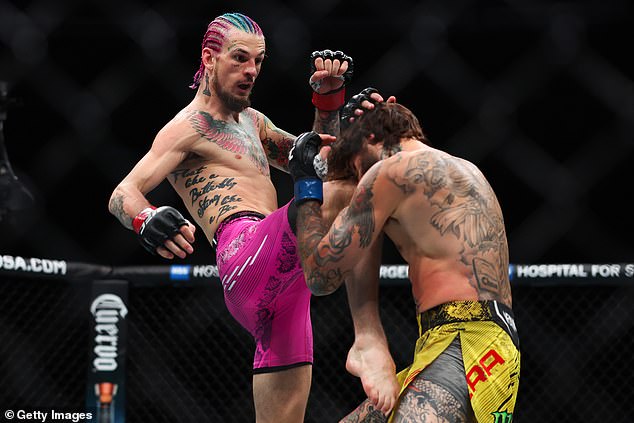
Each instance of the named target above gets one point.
<point>251,68</point>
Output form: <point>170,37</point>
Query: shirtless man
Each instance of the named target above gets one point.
<point>216,154</point>
<point>445,220</point>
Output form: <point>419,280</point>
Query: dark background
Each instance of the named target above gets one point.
<point>538,94</point>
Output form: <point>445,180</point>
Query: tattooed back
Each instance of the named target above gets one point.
<point>447,224</point>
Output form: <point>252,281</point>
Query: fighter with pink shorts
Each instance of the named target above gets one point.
<point>264,287</point>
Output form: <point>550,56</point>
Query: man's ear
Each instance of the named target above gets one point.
<point>208,58</point>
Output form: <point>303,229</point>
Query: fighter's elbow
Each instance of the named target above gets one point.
<point>116,206</point>
<point>115,203</point>
<point>320,287</point>
<point>320,292</point>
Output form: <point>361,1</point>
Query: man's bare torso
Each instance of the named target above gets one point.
<point>448,227</point>
<point>225,170</point>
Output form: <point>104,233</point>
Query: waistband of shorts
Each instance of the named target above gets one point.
<point>244,214</point>
<point>470,311</point>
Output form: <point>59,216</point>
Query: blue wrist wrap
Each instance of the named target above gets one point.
<point>309,189</point>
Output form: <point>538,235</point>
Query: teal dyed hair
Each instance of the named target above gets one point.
<point>217,31</point>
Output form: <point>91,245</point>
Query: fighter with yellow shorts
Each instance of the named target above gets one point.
<point>466,361</point>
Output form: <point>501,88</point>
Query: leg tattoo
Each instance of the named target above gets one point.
<point>365,413</point>
<point>427,402</point>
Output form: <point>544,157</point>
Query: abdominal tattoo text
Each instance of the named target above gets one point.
<point>208,190</point>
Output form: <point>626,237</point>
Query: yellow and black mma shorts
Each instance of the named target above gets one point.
<point>472,349</point>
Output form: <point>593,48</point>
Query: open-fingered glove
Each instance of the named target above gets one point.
<point>353,104</point>
<point>156,225</point>
<point>307,184</point>
<point>334,98</point>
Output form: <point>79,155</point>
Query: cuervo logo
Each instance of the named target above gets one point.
<point>107,309</point>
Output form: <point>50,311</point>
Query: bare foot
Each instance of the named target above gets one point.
<point>371,361</point>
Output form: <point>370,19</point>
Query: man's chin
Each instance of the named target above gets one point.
<point>237,104</point>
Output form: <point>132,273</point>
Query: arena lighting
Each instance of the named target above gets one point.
<point>14,197</point>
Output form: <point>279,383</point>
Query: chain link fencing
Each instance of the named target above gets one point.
<point>189,361</point>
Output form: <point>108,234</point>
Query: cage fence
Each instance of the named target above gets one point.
<point>187,360</point>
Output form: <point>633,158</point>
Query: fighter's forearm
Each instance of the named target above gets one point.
<point>326,122</point>
<point>322,274</point>
<point>310,228</point>
<point>115,206</point>
<point>125,205</point>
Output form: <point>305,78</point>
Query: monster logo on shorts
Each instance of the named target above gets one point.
<point>502,417</point>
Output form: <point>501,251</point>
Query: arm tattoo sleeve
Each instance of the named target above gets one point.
<point>277,143</point>
<point>310,228</point>
<point>326,122</point>
<point>116,208</point>
<point>321,279</point>
<point>322,249</point>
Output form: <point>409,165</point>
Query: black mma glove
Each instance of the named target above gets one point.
<point>355,103</point>
<point>307,184</point>
<point>156,225</point>
<point>333,99</point>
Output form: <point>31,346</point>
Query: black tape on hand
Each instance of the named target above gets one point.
<point>160,225</point>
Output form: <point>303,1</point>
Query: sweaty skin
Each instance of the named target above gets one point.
<point>217,153</point>
<point>439,211</point>
<point>445,220</point>
<point>227,165</point>
<point>213,156</point>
